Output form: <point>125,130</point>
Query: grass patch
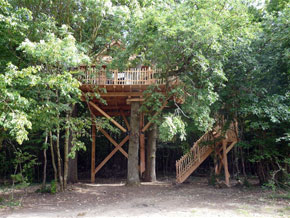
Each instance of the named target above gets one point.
<point>285,196</point>
<point>9,203</point>
<point>243,212</point>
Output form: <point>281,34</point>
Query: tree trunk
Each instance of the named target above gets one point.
<point>59,158</point>
<point>65,168</point>
<point>133,171</point>
<point>45,162</point>
<point>1,141</point>
<point>52,157</point>
<point>236,160</point>
<point>225,163</point>
<point>150,175</point>
<point>72,176</point>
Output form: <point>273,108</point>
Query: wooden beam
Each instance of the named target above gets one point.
<point>134,100</point>
<point>225,161</point>
<point>111,154</point>
<point>154,116</point>
<point>229,148</point>
<point>107,116</point>
<point>113,142</point>
<point>125,120</point>
<point>116,107</point>
<point>116,94</point>
<point>121,94</point>
<point>93,152</point>
<point>113,114</point>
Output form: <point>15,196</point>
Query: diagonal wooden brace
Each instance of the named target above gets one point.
<point>113,142</point>
<point>108,116</point>
<point>111,154</point>
<point>125,120</point>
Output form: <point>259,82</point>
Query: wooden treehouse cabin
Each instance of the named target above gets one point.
<point>120,89</point>
<point>124,88</point>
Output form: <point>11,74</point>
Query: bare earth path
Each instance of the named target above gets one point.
<point>161,199</point>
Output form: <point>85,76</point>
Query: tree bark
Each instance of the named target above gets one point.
<point>52,157</point>
<point>225,160</point>
<point>66,144</point>
<point>59,157</point>
<point>72,176</point>
<point>133,171</point>
<point>150,175</point>
<point>45,162</point>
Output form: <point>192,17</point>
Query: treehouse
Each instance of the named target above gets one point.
<point>119,89</point>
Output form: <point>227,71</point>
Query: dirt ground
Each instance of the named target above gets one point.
<point>161,199</point>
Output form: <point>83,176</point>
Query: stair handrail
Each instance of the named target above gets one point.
<point>196,151</point>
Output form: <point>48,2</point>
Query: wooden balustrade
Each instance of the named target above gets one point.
<point>202,147</point>
<point>198,149</point>
<point>136,76</point>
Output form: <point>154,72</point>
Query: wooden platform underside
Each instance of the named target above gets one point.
<point>117,97</point>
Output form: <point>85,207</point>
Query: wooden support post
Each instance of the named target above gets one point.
<point>225,162</point>
<point>142,145</point>
<point>107,116</point>
<point>93,154</point>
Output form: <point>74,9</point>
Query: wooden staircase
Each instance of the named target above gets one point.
<point>202,148</point>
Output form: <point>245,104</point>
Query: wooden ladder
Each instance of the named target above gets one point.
<point>202,148</point>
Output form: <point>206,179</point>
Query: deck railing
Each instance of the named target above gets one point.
<point>133,76</point>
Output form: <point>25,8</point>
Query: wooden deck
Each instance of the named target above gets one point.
<point>119,88</point>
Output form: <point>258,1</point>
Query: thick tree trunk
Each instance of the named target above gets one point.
<point>72,176</point>
<point>52,157</point>
<point>150,175</point>
<point>225,162</point>
<point>133,171</point>
<point>236,160</point>
<point>1,141</point>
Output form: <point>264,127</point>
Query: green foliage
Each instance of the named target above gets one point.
<point>14,105</point>
<point>53,187</point>
<point>13,28</point>
<point>170,127</point>
<point>257,94</point>
<point>228,57</point>
<point>23,163</point>
<point>190,46</point>
<point>274,6</point>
